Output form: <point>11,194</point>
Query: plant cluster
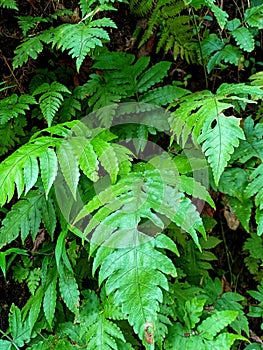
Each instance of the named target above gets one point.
<point>109,186</point>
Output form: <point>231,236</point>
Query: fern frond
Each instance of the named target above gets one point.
<point>229,54</point>
<point>252,146</point>
<point>51,99</point>
<point>244,39</point>
<point>13,106</point>
<point>79,39</point>
<point>219,141</point>
<point>139,293</point>
<point>28,22</point>
<point>122,208</point>
<point>10,134</point>
<point>10,4</point>
<point>31,47</point>
<point>23,219</point>
<point>191,118</point>
<point>253,16</point>
<point>255,187</point>
<point>14,168</point>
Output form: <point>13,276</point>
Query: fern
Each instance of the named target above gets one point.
<point>51,99</point>
<point>116,224</point>
<point>30,47</point>
<point>201,335</point>
<point>14,106</point>
<point>126,80</point>
<point>11,134</point>
<point>190,119</point>
<point>216,142</point>
<point>10,4</point>
<point>81,38</point>
<point>133,263</point>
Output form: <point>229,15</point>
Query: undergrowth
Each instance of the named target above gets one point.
<point>113,189</point>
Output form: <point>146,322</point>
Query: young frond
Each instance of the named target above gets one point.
<point>10,4</point>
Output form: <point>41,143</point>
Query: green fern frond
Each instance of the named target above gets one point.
<point>13,106</point>
<point>16,170</point>
<point>121,210</point>
<point>244,39</point>
<point>30,47</point>
<point>51,99</point>
<point>253,16</point>
<point>191,119</point>
<point>23,219</point>
<point>219,141</point>
<point>28,22</point>
<point>229,54</point>
<point>252,146</point>
<point>10,134</point>
<point>79,39</point>
<point>255,186</point>
<point>10,4</point>
<point>141,304</point>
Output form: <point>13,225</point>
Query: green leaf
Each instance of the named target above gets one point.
<point>79,39</point>
<point>10,4</point>
<point>49,168</point>
<point>219,141</point>
<point>23,219</point>
<point>30,47</point>
<point>244,38</point>
<point>69,289</point>
<point>229,54</point>
<point>69,165</point>
<point>125,271</point>
<point>153,75</point>
<point>51,99</point>
<point>220,15</point>
<point>259,221</point>
<point>18,332</point>
<point>216,323</point>
<point>6,344</point>
<point>50,298</point>
<point>255,187</point>
<point>193,312</point>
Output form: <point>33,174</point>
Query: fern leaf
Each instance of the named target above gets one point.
<point>219,142</point>
<point>153,75</point>
<point>31,171</point>
<point>31,47</point>
<point>253,16</point>
<point>23,218</point>
<point>69,289</point>
<point>10,4</point>
<point>217,322</point>
<point>259,221</point>
<point>49,217</point>
<point>13,106</point>
<point>79,39</point>
<point>229,54</point>
<point>49,168</point>
<point>139,196</point>
<point>12,168</point>
<point>163,95</point>
<point>244,38</point>
<point>51,99</point>
<point>28,22</point>
<point>11,133</point>
<point>255,187</point>
<point>220,15</point>
<point>102,333</point>
<point>50,297</point>
<point>139,292</point>
<point>69,166</point>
